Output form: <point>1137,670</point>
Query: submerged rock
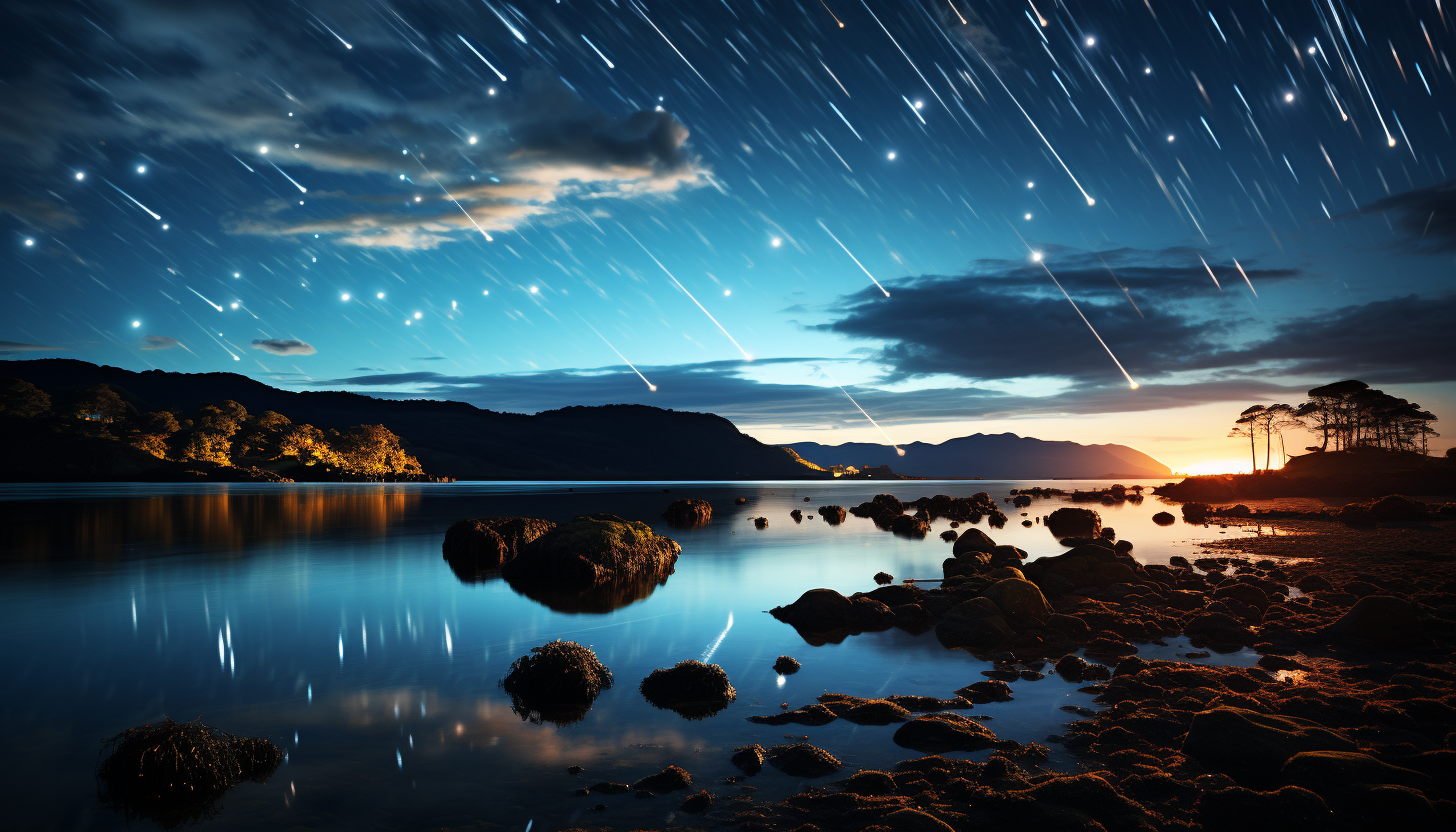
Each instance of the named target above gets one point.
<point>592,550</point>
<point>1074,522</point>
<point>1163,518</point>
<point>749,758</point>
<point>802,760</point>
<point>786,665</point>
<point>688,513</point>
<point>824,611</point>
<point>940,732</point>
<point>833,515</point>
<point>690,688</point>
<point>556,682</point>
<point>479,545</point>
<point>670,779</point>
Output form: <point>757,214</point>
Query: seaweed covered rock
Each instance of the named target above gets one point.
<point>688,514</point>
<point>1196,512</point>
<point>940,732</point>
<point>478,545</point>
<point>975,624</point>
<point>1021,602</point>
<point>692,689</point>
<point>174,772</point>
<point>971,541</point>
<point>1245,743</point>
<point>670,779</point>
<point>1237,809</point>
<point>556,682</point>
<point>833,515</point>
<point>864,711</point>
<point>825,611</point>
<point>802,760</point>
<point>749,759</point>
<point>786,665</point>
<point>1396,508</point>
<point>593,550</point>
<point>1074,522</point>
<point>1091,565</point>
<point>1380,620</point>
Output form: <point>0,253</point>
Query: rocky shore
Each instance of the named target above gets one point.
<point>1346,722</point>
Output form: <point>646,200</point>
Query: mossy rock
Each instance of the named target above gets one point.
<point>592,550</point>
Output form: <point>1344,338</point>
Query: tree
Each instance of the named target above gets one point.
<point>1271,420</point>
<point>372,451</point>
<point>23,399</point>
<point>1248,425</point>
<point>98,404</point>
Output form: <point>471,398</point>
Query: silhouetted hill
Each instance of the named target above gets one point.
<point>454,439</point>
<point>992,456</point>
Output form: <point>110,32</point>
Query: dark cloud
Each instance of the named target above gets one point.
<point>283,346</point>
<point>429,358</point>
<point>13,347</point>
<point>1427,216</point>
<point>727,388</point>
<point>47,214</point>
<point>160,342</point>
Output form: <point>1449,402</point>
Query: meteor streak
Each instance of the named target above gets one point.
<point>1246,278</point>
<point>746,356</point>
<point>852,257</point>
<point>650,386</point>
<point>199,294</point>
<point>1210,272</point>
<point>899,450</point>
<point>347,45</point>
<point>907,58</point>
<point>498,73</point>
<point>679,52</point>
<point>154,214</point>
<point>1130,382</point>
<point>286,176</point>
<point>846,121</point>
<point>610,65</point>
<point>429,173</point>
<point>517,32</point>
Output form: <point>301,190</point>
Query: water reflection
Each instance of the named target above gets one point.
<point>219,520</point>
<point>599,599</point>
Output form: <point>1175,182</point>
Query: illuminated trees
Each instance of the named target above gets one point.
<point>23,399</point>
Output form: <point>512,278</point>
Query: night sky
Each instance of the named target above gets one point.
<point>506,204</point>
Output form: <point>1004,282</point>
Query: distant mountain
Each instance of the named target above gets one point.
<point>454,439</point>
<point>993,457</point>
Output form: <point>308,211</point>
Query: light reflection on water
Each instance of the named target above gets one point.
<point>341,634</point>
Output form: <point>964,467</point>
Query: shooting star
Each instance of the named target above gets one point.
<point>1246,278</point>
<point>650,386</point>
<point>846,121</point>
<point>289,178</point>
<point>679,52</point>
<point>746,356</point>
<point>1210,272</point>
<point>852,257</point>
<point>347,45</point>
<point>517,32</point>
<point>244,164</point>
<point>498,73</point>
<point>1130,382</point>
<point>898,450</point>
<point>610,65</point>
<point>154,214</point>
<point>199,294</point>
<point>451,197</point>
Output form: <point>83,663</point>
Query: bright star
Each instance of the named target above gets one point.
<point>776,242</point>
<point>141,168</point>
<point>135,324</point>
<point>1091,41</point>
<point>345,296</point>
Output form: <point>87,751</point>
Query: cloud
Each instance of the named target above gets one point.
<point>973,33</point>
<point>47,214</point>
<point>283,346</point>
<point>14,347</point>
<point>429,358</point>
<point>244,76</point>
<point>160,342</point>
<point>1427,216</point>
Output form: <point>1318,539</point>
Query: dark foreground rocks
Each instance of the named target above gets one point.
<point>690,688</point>
<point>688,514</point>
<point>478,546</point>
<point>556,682</point>
<point>174,772</point>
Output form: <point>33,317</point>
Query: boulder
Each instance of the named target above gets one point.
<point>824,611</point>
<point>1078,669</point>
<point>864,711</point>
<point>1380,621</point>
<point>907,525</point>
<point>1085,566</point>
<point>972,541</point>
<point>1074,522</point>
<point>688,513</point>
<point>1196,512</point>
<point>977,624</point>
<point>884,578</point>
<point>1083,802</point>
<point>1396,508</point>
<point>1247,744</point>
<point>948,535</point>
<point>833,515</point>
<point>1163,518</point>
<point>991,690</point>
<point>479,545</point>
<point>593,550</point>
<point>1314,583</point>
<point>749,759</point>
<point>802,760</point>
<point>1237,809</point>
<point>556,682</point>
<point>697,804</point>
<point>692,689</point>
<point>940,732</point>
<point>670,779</point>
<point>1218,628</point>
<point>1335,773</point>
<point>786,665</point>
<point>1021,602</point>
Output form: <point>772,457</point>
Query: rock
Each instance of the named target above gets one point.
<point>1122,547</point>
<point>797,515</point>
<point>1396,508</point>
<point>1085,566</point>
<point>1078,669</point>
<point>1070,626</point>
<point>802,760</point>
<point>864,711</point>
<point>948,535</point>
<point>1219,629</point>
<point>1007,556</point>
<point>1074,522</point>
<point>482,544</point>
<point>913,618</point>
<point>971,541</point>
<point>670,779</point>
<point>1244,594</point>
<point>869,783</point>
<point>907,525</point>
<point>1237,809</point>
<point>811,715</point>
<point>1239,510</point>
<point>1021,602</point>
<point>1380,620</point>
<point>1196,512</point>
<point>824,611</point>
<point>697,803</point>
<point>740,501</point>
<point>786,665</point>
<point>991,690</point>
<point>690,688</point>
<point>608,788</point>
<point>749,759</point>
<point>556,682</point>
<point>976,624</point>
<point>940,732</point>
<point>1334,773</point>
<point>574,770</point>
<point>1083,802</point>
<point>593,550</point>
<point>688,513</point>
<point>1248,744</point>
<point>1163,518</point>
<point>833,515</point>
<point>760,522</point>
<point>883,578</point>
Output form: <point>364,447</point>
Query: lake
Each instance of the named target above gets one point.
<point>324,618</point>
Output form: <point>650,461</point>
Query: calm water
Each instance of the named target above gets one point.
<point>324,618</point>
